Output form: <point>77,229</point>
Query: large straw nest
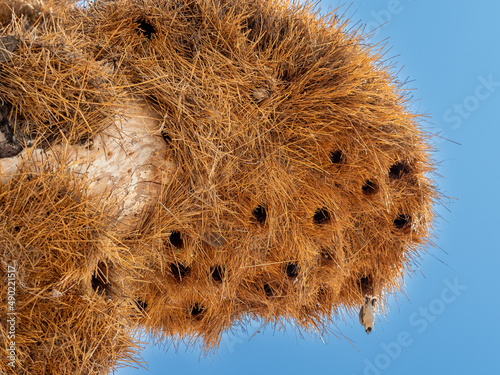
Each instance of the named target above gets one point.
<point>300,171</point>
<point>302,178</point>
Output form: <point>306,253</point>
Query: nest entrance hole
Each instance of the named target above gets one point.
<point>197,311</point>
<point>336,157</point>
<point>176,239</point>
<point>166,137</point>
<point>218,273</point>
<point>268,290</point>
<point>292,270</point>
<point>321,216</point>
<point>145,28</point>
<point>260,214</point>
<point>398,170</point>
<point>179,271</point>
<point>369,188</point>
<point>99,281</point>
<point>142,305</point>
<point>365,285</point>
<point>403,221</point>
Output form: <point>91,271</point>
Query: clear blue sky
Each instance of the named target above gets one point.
<point>450,49</point>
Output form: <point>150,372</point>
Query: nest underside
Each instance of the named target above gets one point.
<point>302,179</point>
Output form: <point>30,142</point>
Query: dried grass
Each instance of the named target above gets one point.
<point>301,174</point>
<point>56,90</point>
<point>71,312</point>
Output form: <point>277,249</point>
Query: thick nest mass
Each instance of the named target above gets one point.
<point>297,179</point>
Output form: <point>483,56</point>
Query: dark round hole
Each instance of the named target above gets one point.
<point>268,290</point>
<point>176,239</point>
<point>292,270</point>
<point>142,305</point>
<point>218,273</point>
<point>197,311</point>
<point>179,270</point>
<point>365,285</point>
<point>336,157</point>
<point>99,281</point>
<point>398,170</point>
<point>17,229</point>
<point>166,137</point>
<point>321,216</point>
<point>369,187</point>
<point>98,285</point>
<point>145,28</point>
<point>260,214</point>
<point>402,221</point>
